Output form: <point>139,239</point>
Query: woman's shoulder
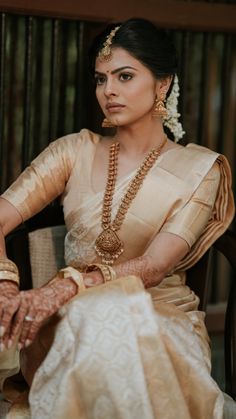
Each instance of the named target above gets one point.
<point>200,151</point>
<point>190,157</point>
<point>71,147</point>
<point>77,138</point>
<point>189,163</point>
<point>205,156</point>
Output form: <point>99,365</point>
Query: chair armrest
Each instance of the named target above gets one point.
<point>17,247</point>
<point>226,244</point>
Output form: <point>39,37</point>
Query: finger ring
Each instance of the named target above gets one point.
<point>29,319</point>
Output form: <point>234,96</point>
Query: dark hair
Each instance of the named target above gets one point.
<point>143,40</point>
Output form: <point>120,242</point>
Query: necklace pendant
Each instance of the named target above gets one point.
<point>108,246</point>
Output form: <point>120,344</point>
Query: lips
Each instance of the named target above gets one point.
<point>112,107</point>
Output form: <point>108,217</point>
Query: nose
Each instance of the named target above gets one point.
<point>110,88</point>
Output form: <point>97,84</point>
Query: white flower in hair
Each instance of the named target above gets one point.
<point>171,120</point>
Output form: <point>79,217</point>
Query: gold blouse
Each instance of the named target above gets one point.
<point>187,193</point>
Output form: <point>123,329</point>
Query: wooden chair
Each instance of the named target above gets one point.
<point>198,278</point>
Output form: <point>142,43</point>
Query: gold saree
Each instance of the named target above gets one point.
<point>121,351</point>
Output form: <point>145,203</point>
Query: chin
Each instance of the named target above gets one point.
<point>121,123</point>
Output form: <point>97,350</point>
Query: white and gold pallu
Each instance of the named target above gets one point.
<point>114,356</point>
<point>121,351</point>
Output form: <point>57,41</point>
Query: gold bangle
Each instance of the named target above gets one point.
<point>75,275</point>
<point>6,275</point>
<point>8,265</point>
<point>107,272</point>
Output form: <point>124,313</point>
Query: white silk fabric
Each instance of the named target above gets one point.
<point>114,356</point>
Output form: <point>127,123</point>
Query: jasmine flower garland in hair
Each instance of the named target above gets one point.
<point>171,121</point>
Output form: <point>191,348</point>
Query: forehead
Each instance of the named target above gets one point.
<point>120,58</point>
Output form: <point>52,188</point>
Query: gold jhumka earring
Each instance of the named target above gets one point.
<point>107,124</point>
<point>159,107</point>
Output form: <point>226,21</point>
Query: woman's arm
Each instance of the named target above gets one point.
<point>36,187</point>
<point>39,304</point>
<point>10,218</point>
<point>15,305</point>
<point>163,254</point>
<point>9,291</point>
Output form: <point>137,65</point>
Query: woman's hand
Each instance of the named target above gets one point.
<point>92,279</point>
<point>37,305</point>
<point>9,303</point>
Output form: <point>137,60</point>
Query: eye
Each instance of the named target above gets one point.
<point>125,76</point>
<point>99,80</point>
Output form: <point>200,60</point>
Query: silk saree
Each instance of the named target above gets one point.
<point>121,351</point>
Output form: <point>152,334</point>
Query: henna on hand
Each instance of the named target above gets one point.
<point>8,288</point>
<point>142,266</point>
<point>9,303</point>
<point>38,305</point>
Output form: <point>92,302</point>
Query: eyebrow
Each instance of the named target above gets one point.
<point>116,70</point>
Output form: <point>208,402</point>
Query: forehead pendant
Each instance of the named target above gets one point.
<point>105,54</point>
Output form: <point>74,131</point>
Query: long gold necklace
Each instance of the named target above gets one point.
<point>108,244</point>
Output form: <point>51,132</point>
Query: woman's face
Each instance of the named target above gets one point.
<point>125,88</point>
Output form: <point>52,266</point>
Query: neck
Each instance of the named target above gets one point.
<point>139,138</point>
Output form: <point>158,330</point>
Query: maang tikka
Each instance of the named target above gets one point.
<point>106,55</point>
<point>106,52</point>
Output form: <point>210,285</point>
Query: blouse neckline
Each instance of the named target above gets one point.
<point>130,175</point>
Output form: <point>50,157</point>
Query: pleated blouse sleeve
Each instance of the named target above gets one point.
<point>45,178</point>
<point>190,221</point>
<point>207,215</point>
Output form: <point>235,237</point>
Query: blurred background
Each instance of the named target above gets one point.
<point>46,90</point>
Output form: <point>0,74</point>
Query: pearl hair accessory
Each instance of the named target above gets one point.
<point>171,120</point>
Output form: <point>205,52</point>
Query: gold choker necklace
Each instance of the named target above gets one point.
<point>108,244</point>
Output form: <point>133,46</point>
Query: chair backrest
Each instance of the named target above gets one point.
<point>19,241</point>
<point>46,250</point>
<point>198,279</point>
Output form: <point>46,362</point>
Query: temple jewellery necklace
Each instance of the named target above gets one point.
<point>108,244</point>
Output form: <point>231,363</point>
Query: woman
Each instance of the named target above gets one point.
<point>139,210</point>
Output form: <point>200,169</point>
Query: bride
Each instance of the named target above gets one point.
<point>140,210</point>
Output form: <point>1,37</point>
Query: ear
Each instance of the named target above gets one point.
<point>163,86</point>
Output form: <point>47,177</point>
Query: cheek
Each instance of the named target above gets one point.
<point>144,100</point>
<point>99,96</point>
<point>97,93</point>
<point>144,95</point>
